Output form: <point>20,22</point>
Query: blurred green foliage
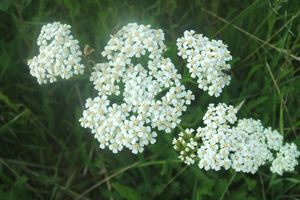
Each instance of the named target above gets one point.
<point>45,154</point>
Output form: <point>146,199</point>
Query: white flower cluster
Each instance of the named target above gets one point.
<point>214,153</point>
<point>151,94</point>
<point>244,147</point>
<point>59,54</point>
<point>206,61</point>
<point>286,159</point>
<point>140,93</point>
<point>250,149</point>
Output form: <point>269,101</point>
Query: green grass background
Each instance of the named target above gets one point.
<point>45,154</point>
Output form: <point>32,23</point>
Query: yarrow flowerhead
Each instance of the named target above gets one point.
<point>286,159</point>
<point>140,93</point>
<point>59,54</point>
<point>134,98</point>
<point>244,147</point>
<point>214,152</point>
<point>250,149</point>
<point>207,61</point>
<point>219,115</point>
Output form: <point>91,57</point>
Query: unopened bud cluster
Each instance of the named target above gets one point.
<point>187,144</point>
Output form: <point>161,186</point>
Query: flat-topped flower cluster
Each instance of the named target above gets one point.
<point>244,147</point>
<point>139,93</point>
<point>59,54</point>
<point>207,61</point>
<point>152,97</point>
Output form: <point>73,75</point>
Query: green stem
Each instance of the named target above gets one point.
<point>180,127</point>
<point>227,186</point>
